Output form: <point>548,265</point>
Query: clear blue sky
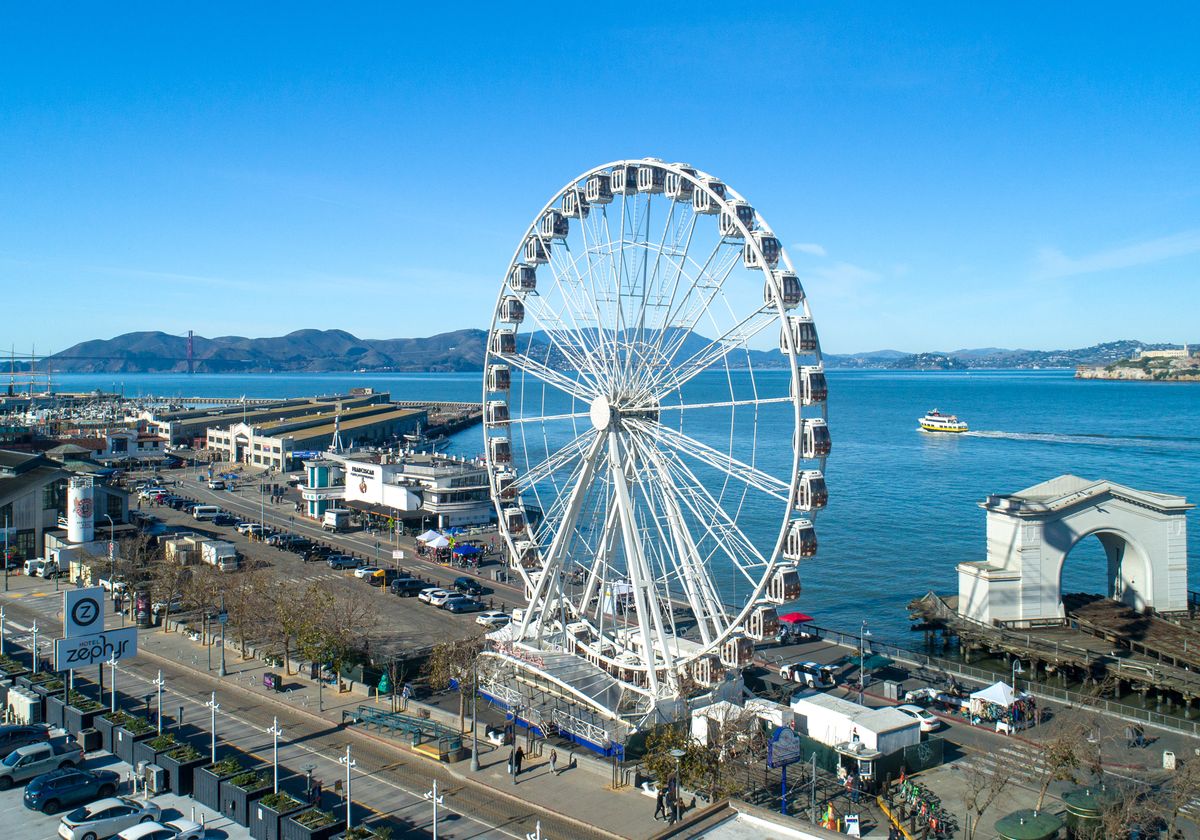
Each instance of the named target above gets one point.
<point>959,177</point>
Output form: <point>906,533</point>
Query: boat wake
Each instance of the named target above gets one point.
<point>1148,441</point>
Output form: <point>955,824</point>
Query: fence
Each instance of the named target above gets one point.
<point>947,667</point>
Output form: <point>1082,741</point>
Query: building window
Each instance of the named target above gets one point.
<point>113,507</point>
<point>54,496</point>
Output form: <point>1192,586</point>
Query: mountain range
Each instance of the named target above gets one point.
<point>462,350</point>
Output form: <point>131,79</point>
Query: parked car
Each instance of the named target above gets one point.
<point>365,571</point>
<point>493,619</point>
<point>440,597</point>
<point>317,552</point>
<point>343,561</point>
<point>467,586</point>
<point>407,587</point>
<point>216,484</point>
<point>224,519</point>
<point>929,721</point>
<point>106,817</point>
<point>160,607</point>
<point>299,545</point>
<point>19,735</point>
<point>23,763</point>
<point>181,829</point>
<point>383,577</point>
<point>462,604</point>
<point>249,528</point>
<point>429,592</point>
<point>68,787</point>
<point>811,674</point>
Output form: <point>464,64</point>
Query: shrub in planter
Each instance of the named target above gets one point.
<point>361,832</point>
<point>206,781</point>
<point>147,749</point>
<point>269,811</point>
<point>105,724</point>
<point>81,712</point>
<point>311,824</point>
<point>180,764</point>
<point>239,793</point>
<point>128,733</point>
<point>11,668</point>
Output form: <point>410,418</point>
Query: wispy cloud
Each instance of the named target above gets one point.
<point>809,248</point>
<point>1052,263</point>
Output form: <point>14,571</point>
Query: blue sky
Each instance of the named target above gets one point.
<point>954,177</point>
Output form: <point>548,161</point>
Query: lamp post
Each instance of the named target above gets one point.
<point>2,614</point>
<point>321,687</point>
<point>536,834</point>
<point>159,683</point>
<point>214,705</point>
<point>35,646</point>
<point>275,732</point>
<point>112,679</point>
<point>112,554</point>
<point>350,764</point>
<point>5,553</point>
<point>308,771</point>
<point>474,717</point>
<point>221,619</point>
<point>432,796</point>
<point>862,660</point>
<point>1017,668</point>
<point>678,755</point>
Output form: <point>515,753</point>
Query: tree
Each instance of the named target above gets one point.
<point>168,582</point>
<point>1062,753</point>
<point>1184,789</point>
<point>985,781</point>
<point>693,765</point>
<point>455,663</point>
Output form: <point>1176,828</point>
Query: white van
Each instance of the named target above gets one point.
<point>205,511</point>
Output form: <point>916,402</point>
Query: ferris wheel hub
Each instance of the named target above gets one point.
<point>601,413</point>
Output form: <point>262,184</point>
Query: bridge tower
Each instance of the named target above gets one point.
<point>191,359</point>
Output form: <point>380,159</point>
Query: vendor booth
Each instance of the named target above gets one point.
<point>1001,705</point>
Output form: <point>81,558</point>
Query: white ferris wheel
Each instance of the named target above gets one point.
<point>655,424</point>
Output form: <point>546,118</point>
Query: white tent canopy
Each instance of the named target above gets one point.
<point>438,542</point>
<point>999,693</point>
<point>428,535</point>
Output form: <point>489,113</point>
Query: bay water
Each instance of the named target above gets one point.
<point>903,505</point>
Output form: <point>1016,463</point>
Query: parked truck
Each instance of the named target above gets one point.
<point>219,553</point>
<point>22,764</point>
<point>336,519</point>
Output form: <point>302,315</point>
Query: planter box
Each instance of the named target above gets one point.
<point>237,802</point>
<point>292,830</point>
<point>123,743</point>
<point>180,774</point>
<point>55,711</point>
<point>76,720</point>
<point>142,751</point>
<point>206,787</point>
<point>105,728</point>
<point>264,821</point>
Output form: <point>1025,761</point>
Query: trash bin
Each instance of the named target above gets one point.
<point>1168,760</point>
<point>272,681</point>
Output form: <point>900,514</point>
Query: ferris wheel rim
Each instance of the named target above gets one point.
<point>699,180</point>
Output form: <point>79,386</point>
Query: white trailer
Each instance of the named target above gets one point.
<point>223,555</point>
<point>836,722</point>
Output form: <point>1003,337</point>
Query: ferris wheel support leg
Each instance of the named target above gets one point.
<point>561,539</point>
<point>601,560</point>
<point>647,606</point>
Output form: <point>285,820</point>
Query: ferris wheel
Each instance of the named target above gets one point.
<point>655,422</point>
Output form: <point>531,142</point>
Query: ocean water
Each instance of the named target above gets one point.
<point>903,506</point>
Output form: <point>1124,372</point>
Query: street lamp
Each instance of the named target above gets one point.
<point>432,796</point>
<point>1016,669</point>
<point>276,732</point>
<point>678,754</point>
<point>221,619</point>
<point>474,717</point>
<point>34,629</point>
<point>2,614</point>
<point>350,765</point>
<point>112,679</point>
<point>159,683</point>
<point>6,553</point>
<point>112,555</point>
<point>214,705</point>
<point>863,633</point>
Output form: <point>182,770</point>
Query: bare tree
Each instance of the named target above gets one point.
<point>1184,790</point>
<point>984,782</point>
<point>455,662</point>
<point>1064,751</point>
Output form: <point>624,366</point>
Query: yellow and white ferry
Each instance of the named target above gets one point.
<point>935,421</point>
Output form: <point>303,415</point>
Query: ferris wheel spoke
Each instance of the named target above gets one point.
<point>703,290</point>
<point>730,466</point>
<point>552,463</point>
<point>700,406</point>
<point>560,336</point>
<point>571,387</point>
<point>735,338</point>
<point>570,285</point>
<point>546,418</point>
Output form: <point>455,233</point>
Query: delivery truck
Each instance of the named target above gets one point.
<point>222,554</point>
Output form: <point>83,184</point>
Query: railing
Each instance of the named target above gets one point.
<point>1039,690</point>
<point>421,730</point>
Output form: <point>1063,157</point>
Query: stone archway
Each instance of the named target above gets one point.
<point>1031,533</point>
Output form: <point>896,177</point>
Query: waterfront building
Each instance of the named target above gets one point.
<point>1177,353</point>
<point>276,443</point>
<point>324,486</point>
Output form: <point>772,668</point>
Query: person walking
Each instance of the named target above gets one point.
<point>660,804</point>
<point>553,762</point>
<point>518,760</point>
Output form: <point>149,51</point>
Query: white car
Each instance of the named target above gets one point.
<point>248,528</point>
<point>365,571</point>
<point>105,817</point>
<point>493,619</point>
<point>180,829</point>
<point>439,598</point>
<point>427,595</point>
<point>929,721</point>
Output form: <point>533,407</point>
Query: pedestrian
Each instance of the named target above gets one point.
<point>1129,742</point>
<point>553,762</point>
<point>1139,735</point>
<point>316,792</point>
<point>518,759</point>
<point>660,805</point>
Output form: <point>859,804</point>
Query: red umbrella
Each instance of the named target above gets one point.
<point>795,618</point>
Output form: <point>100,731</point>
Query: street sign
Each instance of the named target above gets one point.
<point>223,617</point>
<point>783,748</point>
<point>397,555</point>
<point>96,649</point>
<point>83,611</point>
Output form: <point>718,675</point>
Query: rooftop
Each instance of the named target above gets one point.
<point>1067,490</point>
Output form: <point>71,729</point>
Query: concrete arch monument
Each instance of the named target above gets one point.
<point>1030,534</point>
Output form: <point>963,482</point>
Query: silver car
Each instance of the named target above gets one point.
<point>106,817</point>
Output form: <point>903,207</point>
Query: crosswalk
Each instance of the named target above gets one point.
<point>312,578</point>
<point>1013,759</point>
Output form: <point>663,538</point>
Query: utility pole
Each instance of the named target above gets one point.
<point>214,705</point>
<point>112,664</point>
<point>276,732</point>
<point>432,796</point>
<point>475,716</point>
<point>350,765</point>
<point>35,646</point>
<point>222,618</point>
<point>159,683</point>
<point>2,619</point>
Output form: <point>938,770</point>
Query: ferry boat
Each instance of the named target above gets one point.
<point>935,421</point>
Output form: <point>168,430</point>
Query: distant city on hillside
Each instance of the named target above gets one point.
<point>463,350</point>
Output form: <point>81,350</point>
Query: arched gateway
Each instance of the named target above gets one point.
<point>1030,534</point>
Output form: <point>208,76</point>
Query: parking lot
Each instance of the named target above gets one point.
<point>24,824</point>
